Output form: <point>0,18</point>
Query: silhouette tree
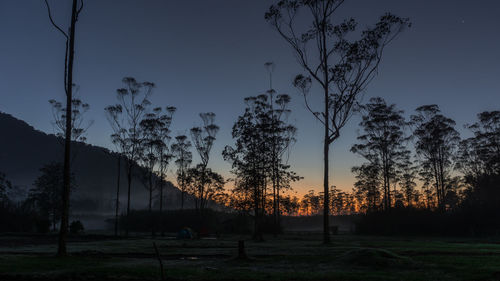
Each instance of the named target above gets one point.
<point>342,203</point>
<point>150,140</point>
<point>78,128</point>
<point>200,178</point>
<point>240,197</point>
<point>480,155</point>
<point>5,186</point>
<point>163,152</point>
<point>251,158</point>
<point>155,132</point>
<point>117,202</point>
<point>342,68</point>
<point>118,138</point>
<point>478,158</point>
<point>436,142</point>
<point>383,142</point>
<point>205,186</point>
<point>407,183</point>
<point>291,205</point>
<point>125,118</point>
<point>46,194</point>
<point>304,205</point>
<point>77,7</point>
<point>262,137</point>
<point>183,156</point>
<point>367,186</point>
<point>282,135</point>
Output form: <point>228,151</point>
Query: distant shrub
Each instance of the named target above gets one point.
<point>76,227</point>
<point>16,217</point>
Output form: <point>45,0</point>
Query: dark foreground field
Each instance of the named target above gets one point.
<point>291,257</point>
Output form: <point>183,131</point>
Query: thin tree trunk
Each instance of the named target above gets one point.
<point>54,220</point>
<point>326,199</point>
<point>129,182</point>
<point>63,231</point>
<point>327,140</point>
<point>151,202</point>
<point>274,205</point>
<point>161,207</point>
<point>278,223</point>
<point>441,178</point>
<point>117,195</point>
<point>183,187</point>
<point>436,178</point>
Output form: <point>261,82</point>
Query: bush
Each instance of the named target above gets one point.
<point>76,227</point>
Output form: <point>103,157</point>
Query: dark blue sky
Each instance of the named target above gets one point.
<point>209,55</point>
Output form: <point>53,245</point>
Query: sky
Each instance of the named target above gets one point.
<point>209,55</point>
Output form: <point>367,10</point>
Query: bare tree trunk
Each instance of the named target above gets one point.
<point>54,220</point>
<point>161,207</point>
<point>278,223</point>
<point>63,231</point>
<point>129,182</point>
<point>182,197</point>
<point>441,178</point>
<point>117,196</point>
<point>436,178</point>
<point>257,232</point>
<point>151,203</point>
<point>326,150</point>
<point>275,230</point>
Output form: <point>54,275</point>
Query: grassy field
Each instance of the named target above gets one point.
<point>289,257</point>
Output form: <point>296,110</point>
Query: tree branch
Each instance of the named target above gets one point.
<point>52,20</point>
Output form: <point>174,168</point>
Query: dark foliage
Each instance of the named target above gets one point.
<point>76,227</point>
<point>17,217</point>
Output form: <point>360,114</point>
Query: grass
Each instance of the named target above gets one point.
<point>289,257</point>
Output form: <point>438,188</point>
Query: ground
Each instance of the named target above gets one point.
<point>287,257</point>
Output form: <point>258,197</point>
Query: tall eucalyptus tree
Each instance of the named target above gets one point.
<point>125,117</point>
<point>69,58</point>
<point>183,158</point>
<point>383,142</point>
<point>342,67</point>
<point>436,143</point>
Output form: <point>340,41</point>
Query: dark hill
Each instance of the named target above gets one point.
<point>24,150</point>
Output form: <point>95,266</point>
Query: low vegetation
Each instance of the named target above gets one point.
<point>291,257</point>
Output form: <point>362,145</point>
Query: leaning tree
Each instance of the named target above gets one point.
<point>341,66</point>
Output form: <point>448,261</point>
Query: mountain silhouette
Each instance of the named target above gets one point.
<point>24,150</point>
